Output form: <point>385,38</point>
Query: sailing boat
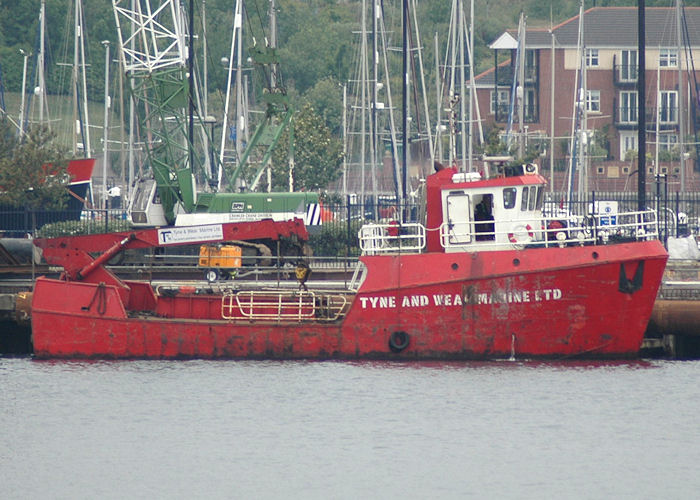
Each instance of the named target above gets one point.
<point>79,170</point>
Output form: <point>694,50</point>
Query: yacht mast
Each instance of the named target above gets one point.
<point>681,93</point>
<point>41,87</point>
<point>641,117</point>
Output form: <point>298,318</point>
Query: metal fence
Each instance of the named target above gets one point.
<point>338,234</point>
<point>22,223</point>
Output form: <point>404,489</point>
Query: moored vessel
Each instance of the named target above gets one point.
<point>487,276</point>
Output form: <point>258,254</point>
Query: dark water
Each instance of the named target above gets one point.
<point>349,430</point>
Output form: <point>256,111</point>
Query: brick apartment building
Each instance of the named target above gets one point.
<point>611,50</point>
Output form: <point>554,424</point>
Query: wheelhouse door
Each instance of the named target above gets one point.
<point>459,219</point>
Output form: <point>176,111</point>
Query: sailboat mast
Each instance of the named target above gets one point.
<point>404,153</point>
<point>462,102</point>
<point>205,93</point>
<point>641,117</point>
<point>373,146</point>
<point>40,60</point>
<point>86,121</point>
<point>521,87</point>
<point>681,93</point>
<point>105,131</point>
<point>438,102</point>
<point>472,93</point>
<point>273,81</point>
<point>363,101</point>
<point>76,38</point>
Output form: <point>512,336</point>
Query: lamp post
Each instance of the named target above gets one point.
<point>105,154</point>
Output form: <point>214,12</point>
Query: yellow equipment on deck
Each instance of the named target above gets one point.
<point>220,260</point>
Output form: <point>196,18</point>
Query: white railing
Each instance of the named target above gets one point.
<point>283,305</point>
<point>545,231</point>
<point>391,238</point>
<point>550,231</point>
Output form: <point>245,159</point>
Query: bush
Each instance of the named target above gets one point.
<point>82,227</point>
<point>333,241</point>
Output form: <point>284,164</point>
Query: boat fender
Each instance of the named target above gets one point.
<point>398,341</point>
<point>520,236</point>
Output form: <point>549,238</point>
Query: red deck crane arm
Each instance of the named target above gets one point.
<point>73,252</point>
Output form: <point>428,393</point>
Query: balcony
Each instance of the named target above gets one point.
<point>505,75</point>
<point>530,112</point>
<point>625,118</point>
<point>625,75</point>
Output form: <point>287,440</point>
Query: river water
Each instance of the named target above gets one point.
<point>203,429</point>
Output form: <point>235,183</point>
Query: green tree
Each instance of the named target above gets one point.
<point>32,172</point>
<point>317,154</point>
<point>327,98</point>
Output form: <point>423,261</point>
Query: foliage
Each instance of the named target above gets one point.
<point>327,97</point>
<point>333,240</point>
<point>321,46</point>
<point>599,144</point>
<point>317,155</point>
<point>82,227</point>
<point>32,172</point>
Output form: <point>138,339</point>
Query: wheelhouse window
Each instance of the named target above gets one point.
<point>532,199</point>
<point>523,201</point>
<point>509,195</point>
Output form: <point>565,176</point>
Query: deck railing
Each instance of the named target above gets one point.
<point>550,231</point>
<point>283,305</point>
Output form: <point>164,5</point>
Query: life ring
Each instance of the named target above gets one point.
<point>398,341</point>
<point>521,235</point>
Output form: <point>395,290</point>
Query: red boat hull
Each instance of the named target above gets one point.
<point>589,301</point>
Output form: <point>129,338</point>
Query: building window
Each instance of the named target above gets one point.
<point>628,143</point>
<point>664,170</point>
<point>530,105</point>
<point>668,106</point>
<point>592,60</point>
<point>667,141</point>
<point>503,101</point>
<point>628,68</point>
<point>593,101</point>
<point>676,170</point>
<point>625,170</point>
<point>668,58</point>
<point>628,107</point>
<point>601,170</point>
<point>530,65</point>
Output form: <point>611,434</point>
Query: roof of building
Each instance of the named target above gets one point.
<point>617,27</point>
<point>608,27</point>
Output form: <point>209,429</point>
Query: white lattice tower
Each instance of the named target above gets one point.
<point>151,38</point>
